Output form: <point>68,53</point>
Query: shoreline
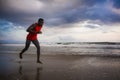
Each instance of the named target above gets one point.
<point>59,67</point>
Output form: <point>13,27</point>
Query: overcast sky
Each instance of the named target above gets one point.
<point>65,20</point>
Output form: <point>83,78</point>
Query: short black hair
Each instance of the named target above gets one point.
<point>40,19</point>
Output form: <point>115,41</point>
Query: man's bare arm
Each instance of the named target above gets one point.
<point>40,32</point>
<point>31,29</point>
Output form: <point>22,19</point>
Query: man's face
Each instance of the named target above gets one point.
<point>40,22</point>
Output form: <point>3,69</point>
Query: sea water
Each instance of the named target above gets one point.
<point>67,48</point>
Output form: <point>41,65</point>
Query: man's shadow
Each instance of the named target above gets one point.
<point>37,76</point>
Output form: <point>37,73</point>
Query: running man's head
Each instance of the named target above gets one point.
<point>40,21</point>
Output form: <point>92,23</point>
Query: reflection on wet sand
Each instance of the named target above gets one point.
<point>60,68</point>
<point>27,74</point>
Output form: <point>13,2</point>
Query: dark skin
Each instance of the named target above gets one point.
<point>31,29</point>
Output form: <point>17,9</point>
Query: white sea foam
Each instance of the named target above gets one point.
<point>66,48</point>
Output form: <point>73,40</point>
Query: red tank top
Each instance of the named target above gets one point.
<point>33,36</point>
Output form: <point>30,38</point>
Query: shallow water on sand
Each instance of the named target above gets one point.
<point>66,49</point>
<point>59,68</point>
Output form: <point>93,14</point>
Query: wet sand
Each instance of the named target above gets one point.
<point>59,67</point>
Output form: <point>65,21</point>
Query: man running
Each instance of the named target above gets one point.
<point>33,30</point>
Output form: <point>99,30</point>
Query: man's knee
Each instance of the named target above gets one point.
<point>25,49</point>
<point>38,48</point>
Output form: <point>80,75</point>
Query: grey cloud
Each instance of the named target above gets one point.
<point>116,3</point>
<point>56,12</point>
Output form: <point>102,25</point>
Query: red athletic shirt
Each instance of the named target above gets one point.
<point>33,36</point>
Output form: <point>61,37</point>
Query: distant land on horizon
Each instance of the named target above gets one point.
<point>64,43</point>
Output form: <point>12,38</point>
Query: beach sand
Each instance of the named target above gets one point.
<point>59,67</point>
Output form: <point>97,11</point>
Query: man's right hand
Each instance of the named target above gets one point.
<point>40,32</point>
